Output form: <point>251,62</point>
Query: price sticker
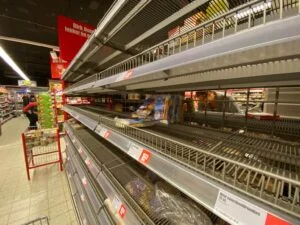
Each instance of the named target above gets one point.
<point>82,197</point>
<point>116,203</point>
<point>128,74</point>
<point>122,211</point>
<point>88,162</point>
<point>73,140</point>
<point>135,151</point>
<point>105,133</point>
<point>84,181</point>
<point>98,129</point>
<point>80,150</point>
<point>145,156</point>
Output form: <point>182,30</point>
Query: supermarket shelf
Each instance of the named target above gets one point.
<point>6,119</point>
<point>99,169</point>
<point>284,127</point>
<point>241,48</point>
<point>124,31</point>
<point>207,170</point>
<point>91,200</point>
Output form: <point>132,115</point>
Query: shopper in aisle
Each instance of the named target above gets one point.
<point>31,112</point>
<point>25,99</point>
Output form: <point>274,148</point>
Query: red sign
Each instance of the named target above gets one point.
<point>71,36</point>
<point>58,67</point>
<point>107,134</point>
<point>273,220</point>
<point>145,156</point>
<point>122,211</point>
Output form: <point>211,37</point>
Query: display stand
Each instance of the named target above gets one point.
<point>41,148</point>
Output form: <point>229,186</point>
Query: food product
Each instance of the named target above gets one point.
<point>165,203</point>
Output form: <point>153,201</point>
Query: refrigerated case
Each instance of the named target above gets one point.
<point>224,156</point>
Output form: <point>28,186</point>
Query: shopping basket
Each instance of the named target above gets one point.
<point>38,221</point>
<point>41,148</point>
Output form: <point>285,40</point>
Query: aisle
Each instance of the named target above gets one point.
<point>47,194</point>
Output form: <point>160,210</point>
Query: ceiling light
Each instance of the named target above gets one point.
<point>12,64</point>
<point>53,55</point>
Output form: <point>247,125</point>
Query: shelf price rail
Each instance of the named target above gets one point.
<point>203,171</point>
<point>227,24</point>
<point>89,202</point>
<point>112,199</point>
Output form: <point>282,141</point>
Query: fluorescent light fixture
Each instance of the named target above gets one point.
<point>255,9</point>
<point>53,55</point>
<point>12,64</point>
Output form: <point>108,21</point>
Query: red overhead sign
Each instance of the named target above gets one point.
<point>58,67</point>
<point>71,36</point>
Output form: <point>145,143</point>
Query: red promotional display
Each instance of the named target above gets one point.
<point>71,36</point>
<point>57,67</point>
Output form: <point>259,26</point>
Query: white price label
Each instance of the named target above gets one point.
<point>139,153</point>
<point>80,150</point>
<point>84,181</point>
<point>98,129</point>
<point>240,212</point>
<point>135,151</point>
<point>105,133</point>
<point>73,140</point>
<point>116,203</point>
<point>82,197</point>
<point>88,162</point>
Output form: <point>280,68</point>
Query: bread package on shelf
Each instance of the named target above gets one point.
<point>166,203</point>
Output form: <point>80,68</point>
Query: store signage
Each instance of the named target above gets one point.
<point>119,206</point>
<point>72,35</point>
<point>27,83</point>
<point>58,66</point>
<point>240,212</point>
<point>122,211</point>
<point>139,153</point>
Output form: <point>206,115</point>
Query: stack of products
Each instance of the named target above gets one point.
<point>40,138</point>
<point>45,111</point>
<point>161,108</point>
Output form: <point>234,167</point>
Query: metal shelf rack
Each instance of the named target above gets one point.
<point>241,179</point>
<point>168,64</point>
<point>221,169</point>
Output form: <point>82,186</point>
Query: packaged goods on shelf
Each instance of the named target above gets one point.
<point>166,203</point>
<point>45,110</point>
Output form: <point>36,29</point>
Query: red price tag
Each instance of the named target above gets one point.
<point>88,162</point>
<point>84,181</point>
<point>128,75</point>
<point>107,134</point>
<point>145,156</point>
<point>273,220</point>
<point>122,211</point>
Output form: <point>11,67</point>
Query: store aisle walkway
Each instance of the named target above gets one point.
<point>47,194</point>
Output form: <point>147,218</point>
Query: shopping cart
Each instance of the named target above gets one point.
<point>38,221</point>
<point>41,148</point>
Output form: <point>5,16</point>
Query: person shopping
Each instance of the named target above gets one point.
<point>31,112</point>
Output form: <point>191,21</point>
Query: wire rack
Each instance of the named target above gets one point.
<point>121,171</point>
<point>220,25</point>
<point>265,169</point>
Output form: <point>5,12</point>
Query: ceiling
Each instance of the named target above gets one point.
<point>36,20</point>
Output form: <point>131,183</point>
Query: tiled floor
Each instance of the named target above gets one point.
<point>47,194</point>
